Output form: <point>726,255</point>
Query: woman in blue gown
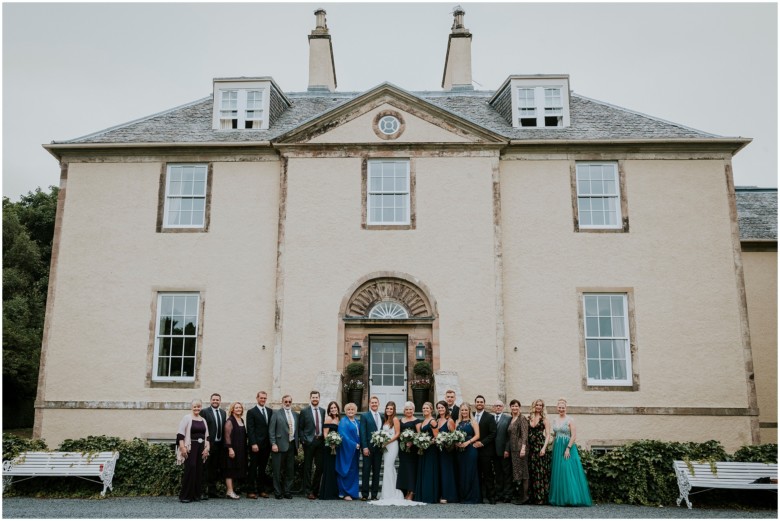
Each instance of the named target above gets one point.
<point>329,488</point>
<point>407,457</point>
<point>568,484</point>
<point>348,456</point>
<point>427,487</point>
<point>468,475</point>
<point>449,488</point>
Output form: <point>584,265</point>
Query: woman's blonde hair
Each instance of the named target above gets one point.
<point>232,408</point>
<point>464,406</point>
<point>533,409</point>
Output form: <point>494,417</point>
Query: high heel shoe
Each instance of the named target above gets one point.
<point>232,495</point>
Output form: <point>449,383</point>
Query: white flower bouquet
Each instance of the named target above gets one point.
<point>449,440</point>
<point>333,440</point>
<point>406,440</point>
<point>459,436</point>
<point>422,441</point>
<point>380,439</point>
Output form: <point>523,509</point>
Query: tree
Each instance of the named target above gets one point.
<point>28,229</point>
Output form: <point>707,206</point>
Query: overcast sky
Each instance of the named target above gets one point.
<point>73,69</point>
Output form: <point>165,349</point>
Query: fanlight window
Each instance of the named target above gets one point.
<point>388,310</point>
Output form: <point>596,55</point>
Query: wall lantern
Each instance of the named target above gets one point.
<point>420,351</point>
<point>356,351</point>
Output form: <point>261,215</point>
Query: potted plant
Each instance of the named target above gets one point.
<point>353,383</point>
<point>421,384</point>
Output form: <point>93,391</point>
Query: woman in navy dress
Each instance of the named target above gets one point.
<point>407,458</point>
<point>348,456</point>
<point>427,487</point>
<point>192,442</point>
<point>449,487</point>
<point>329,488</point>
<point>235,446</point>
<point>468,475</point>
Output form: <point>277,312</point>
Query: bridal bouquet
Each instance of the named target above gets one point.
<point>333,440</point>
<point>407,440</point>
<point>422,440</point>
<point>449,440</point>
<point>458,436</point>
<point>379,439</point>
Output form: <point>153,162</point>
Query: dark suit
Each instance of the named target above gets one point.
<point>313,446</point>
<point>372,464</point>
<point>502,467</point>
<point>487,435</point>
<point>455,414</point>
<point>257,434</point>
<point>283,460</point>
<point>216,457</point>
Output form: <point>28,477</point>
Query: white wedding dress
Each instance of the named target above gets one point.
<point>390,495</point>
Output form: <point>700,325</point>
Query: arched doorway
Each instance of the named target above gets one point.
<point>388,321</point>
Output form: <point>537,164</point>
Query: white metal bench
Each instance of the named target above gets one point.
<point>65,464</point>
<point>728,474</point>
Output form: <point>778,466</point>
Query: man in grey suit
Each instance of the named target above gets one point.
<point>283,433</point>
<point>502,467</point>
<point>312,418</point>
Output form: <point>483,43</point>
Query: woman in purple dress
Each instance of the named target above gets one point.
<point>192,449</point>
<point>235,446</point>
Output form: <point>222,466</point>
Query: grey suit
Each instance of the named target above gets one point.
<point>283,461</point>
<point>502,467</point>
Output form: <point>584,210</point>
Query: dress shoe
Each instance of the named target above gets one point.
<point>311,496</point>
<point>374,498</point>
<point>264,495</point>
<point>363,498</point>
<point>251,496</point>
<point>278,496</point>
<point>288,496</point>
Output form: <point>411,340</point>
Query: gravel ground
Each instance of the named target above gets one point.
<point>298,507</point>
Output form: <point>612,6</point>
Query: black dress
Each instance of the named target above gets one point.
<point>193,465</point>
<point>235,438</point>
<point>329,488</point>
<point>407,462</point>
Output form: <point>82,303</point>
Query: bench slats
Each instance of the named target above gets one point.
<point>728,475</point>
<point>59,464</point>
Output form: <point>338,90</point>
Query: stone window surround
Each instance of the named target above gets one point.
<point>633,349</point>
<point>150,382</point>
<point>161,201</point>
<point>364,224</point>
<point>623,197</point>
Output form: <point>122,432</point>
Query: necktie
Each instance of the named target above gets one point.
<point>316,421</point>
<point>290,424</point>
<point>497,417</point>
<point>218,434</point>
<point>262,409</point>
<point>376,420</point>
<point>479,416</point>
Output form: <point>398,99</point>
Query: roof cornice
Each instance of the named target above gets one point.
<point>728,144</point>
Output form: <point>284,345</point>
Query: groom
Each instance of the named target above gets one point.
<point>370,422</point>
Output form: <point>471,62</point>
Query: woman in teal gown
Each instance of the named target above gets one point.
<point>468,475</point>
<point>427,487</point>
<point>568,484</point>
<point>348,455</point>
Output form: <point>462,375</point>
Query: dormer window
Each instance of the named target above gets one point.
<point>247,103</point>
<point>537,101</point>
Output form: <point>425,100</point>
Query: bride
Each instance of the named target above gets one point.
<point>390,494</point>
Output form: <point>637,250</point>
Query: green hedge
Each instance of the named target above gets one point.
<point>639,473</point>
<point>642,473</point>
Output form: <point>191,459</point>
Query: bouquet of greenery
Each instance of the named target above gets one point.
<point>422,440</point>
<point>448,440</point>
<point>380,439</point>
<point>333,440</point>
<point>458,436</point>
<point>406,440</point>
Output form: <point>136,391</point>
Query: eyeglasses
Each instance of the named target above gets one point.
<point>288,401</point>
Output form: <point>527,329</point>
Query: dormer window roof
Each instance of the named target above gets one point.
<point>246,103</point>
<point>538,101</point>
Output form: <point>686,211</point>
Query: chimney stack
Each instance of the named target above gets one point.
<point>457,65</point>
<point>322,69</point>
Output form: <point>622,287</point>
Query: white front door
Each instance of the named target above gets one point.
<point>388,371</point>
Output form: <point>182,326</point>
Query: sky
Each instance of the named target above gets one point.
<point>74,69</point>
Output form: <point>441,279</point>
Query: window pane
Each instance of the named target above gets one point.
<point>163,367</point>
<point>591,326</point>
<point>591,309</point>
<point>189,367</point>
<point>177,346</point>
<point>605,326</point>
<point>189,346</point>
<point>165,346</point>
<point>388,215</point>
<point>605,349</point>
<point>375,183</point>
<point>594,369</point>
<point>592,348</point>
<point>399,380</point>
<point>175,367</point>
<point>597,187</point>
<point>619,349</point>
<point>617,327</point>
<point>620,370</point>
<point>603,302</point>
<point>606,370</point>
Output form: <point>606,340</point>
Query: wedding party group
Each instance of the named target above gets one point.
<point>453,454</point>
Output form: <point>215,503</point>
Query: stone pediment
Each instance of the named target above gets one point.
<point>417,121</point>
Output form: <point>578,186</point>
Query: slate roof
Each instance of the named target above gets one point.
<point>590,120</point>
<point>757,213</point>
